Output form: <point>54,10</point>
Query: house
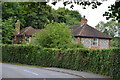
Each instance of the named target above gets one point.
<point>83,33</point>
<point>24,35</point>
<point>89,36</point>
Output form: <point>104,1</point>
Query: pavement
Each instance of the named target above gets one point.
<point>16,71</point>
<point>77,73</point>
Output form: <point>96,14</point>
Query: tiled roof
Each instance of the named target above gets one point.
<point>28,31</point>
<point>87,31</point>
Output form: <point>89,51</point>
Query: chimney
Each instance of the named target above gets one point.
<point>17,27</point>
<point>83,20</point>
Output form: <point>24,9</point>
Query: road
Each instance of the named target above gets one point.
<point>15,71</point>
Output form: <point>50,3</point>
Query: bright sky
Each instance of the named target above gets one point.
<point>94,16</point>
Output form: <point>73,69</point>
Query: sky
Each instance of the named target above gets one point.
<point>94,16</point>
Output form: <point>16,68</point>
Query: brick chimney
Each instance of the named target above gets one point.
<point>83,20</point>
<point>17,27</point>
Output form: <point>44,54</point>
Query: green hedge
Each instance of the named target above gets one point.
<point>104,61</point>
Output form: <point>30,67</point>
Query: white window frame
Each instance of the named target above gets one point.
<point>95,42</point>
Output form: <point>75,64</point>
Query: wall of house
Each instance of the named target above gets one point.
<point>104,43</point>
<point>17,39</point>
<point>88,43</point>
<point>30,40</point>
<point>21,39</point>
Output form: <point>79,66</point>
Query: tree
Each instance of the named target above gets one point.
<point>114,10</point>
<point>54,35</point>
<point>71,20</point>
<point>111,28</point>
<point>35,14</point>
<point>13,10</point>
<point>32,14</point>
<point>69,17</point>
<point>115,42</point>
<point>7,31</point>
<point>93,3</point>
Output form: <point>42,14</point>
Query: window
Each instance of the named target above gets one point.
<point>95,42</point>
<point>27,39</point>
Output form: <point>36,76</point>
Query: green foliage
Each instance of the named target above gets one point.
<point>13,10</point>
<point>7,30</point>
<point>104,61</point>
<point>115,42</point>
<point>76,45</point>
<point>35,14</point>
<point>29,13</point>
<point>111,28</point>
<point>54,35</point>
<point>71,20</point>
<point>67,16</point>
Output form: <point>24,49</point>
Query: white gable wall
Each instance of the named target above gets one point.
<point>104,43</point>
<point>86,42</point>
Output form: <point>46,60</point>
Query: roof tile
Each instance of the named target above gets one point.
<point>28,31</point>
<point>87,31</point>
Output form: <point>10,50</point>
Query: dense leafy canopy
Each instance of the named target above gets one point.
<point>35,14</point>
<point>7,31</point>
<point>111,28</point>
<point>54,35</point>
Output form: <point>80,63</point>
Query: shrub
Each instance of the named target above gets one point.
<point>104,61</point>
<point>54,35</point>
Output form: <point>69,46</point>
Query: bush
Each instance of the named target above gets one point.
<point>75,45</point>
<point>115,42</point>
<point>54,35</point>
<point>104,61</point>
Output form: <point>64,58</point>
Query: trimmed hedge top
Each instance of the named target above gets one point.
<point>102,61</point>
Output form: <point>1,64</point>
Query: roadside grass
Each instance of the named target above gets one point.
<point>23,65</point>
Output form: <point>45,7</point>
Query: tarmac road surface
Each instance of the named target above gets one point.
<point>15,71</point>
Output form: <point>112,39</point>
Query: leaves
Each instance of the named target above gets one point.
<point>111,28</point>
<point>113,12</point>
<point>7,31</point>
<point>54,3</point>
<point>36,14</point>
<point>113,9</point>
<point>54,35</point>
<point>104,61</point>
<point>83,3</point>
